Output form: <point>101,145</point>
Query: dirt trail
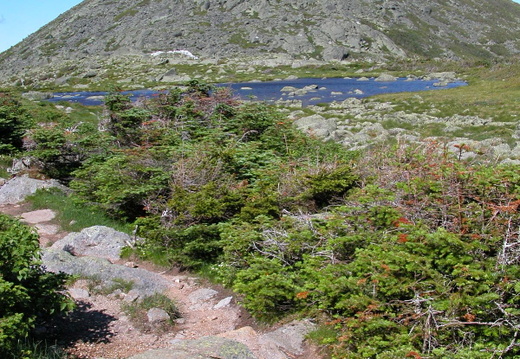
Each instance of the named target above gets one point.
<point>99,328</point>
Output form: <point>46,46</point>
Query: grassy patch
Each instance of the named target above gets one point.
<point>128,12</point>
<point>5,163</point>
<point>72,215</point>
<point>32,349</point>
<point>137,311</point>
<point>95,285</point>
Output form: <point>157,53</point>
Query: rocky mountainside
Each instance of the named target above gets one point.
<point>304,29</point>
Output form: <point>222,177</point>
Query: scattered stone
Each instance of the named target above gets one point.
<point>37,96</point>
<point>316,125</point>
<point>310,87</point>
<point>203,348</point>
<point>441,84</point>
<point>96,98</point>
<point>447,77</point>
<point>288,89</point>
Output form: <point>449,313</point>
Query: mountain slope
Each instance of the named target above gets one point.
<point>320,29</point>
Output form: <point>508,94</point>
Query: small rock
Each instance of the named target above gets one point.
<point>47,229</point>
<point>79,293</point>
<point>42,215</point>
<point>157,315</point>
<point>132,296</point>
<point>202,295</point>
<point>180,321</point>
<point>90,75</point>
<point>223,303</point>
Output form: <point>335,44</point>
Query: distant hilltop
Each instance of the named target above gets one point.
<point>326,30</point>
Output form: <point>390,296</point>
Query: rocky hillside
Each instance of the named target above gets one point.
<point>305,29</point>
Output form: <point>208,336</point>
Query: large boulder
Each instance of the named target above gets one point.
<point>288,341</point>
<point>18,188</point>
<point>97,241</point>
<point>145,283</point>
<point>203,348</point>
<point>336,53</point>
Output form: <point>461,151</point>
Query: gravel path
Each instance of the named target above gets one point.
<point>99,328</point>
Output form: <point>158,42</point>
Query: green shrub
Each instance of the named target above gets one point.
<point>28,293</point>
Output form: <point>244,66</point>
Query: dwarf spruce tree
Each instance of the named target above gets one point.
<point>13,123</point>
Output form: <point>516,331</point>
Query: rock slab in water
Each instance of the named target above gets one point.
<point>203,348</point>
<point>96,241</point>
<point>17,189</point>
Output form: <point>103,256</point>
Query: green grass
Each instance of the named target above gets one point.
<point>95,285</point>
<point>32,349</point>
<point>5,163</point>
<point>73,215</point>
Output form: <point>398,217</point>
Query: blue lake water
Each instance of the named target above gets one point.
<point>328,90</point>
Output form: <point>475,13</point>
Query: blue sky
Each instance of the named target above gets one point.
<point>20,18</point>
